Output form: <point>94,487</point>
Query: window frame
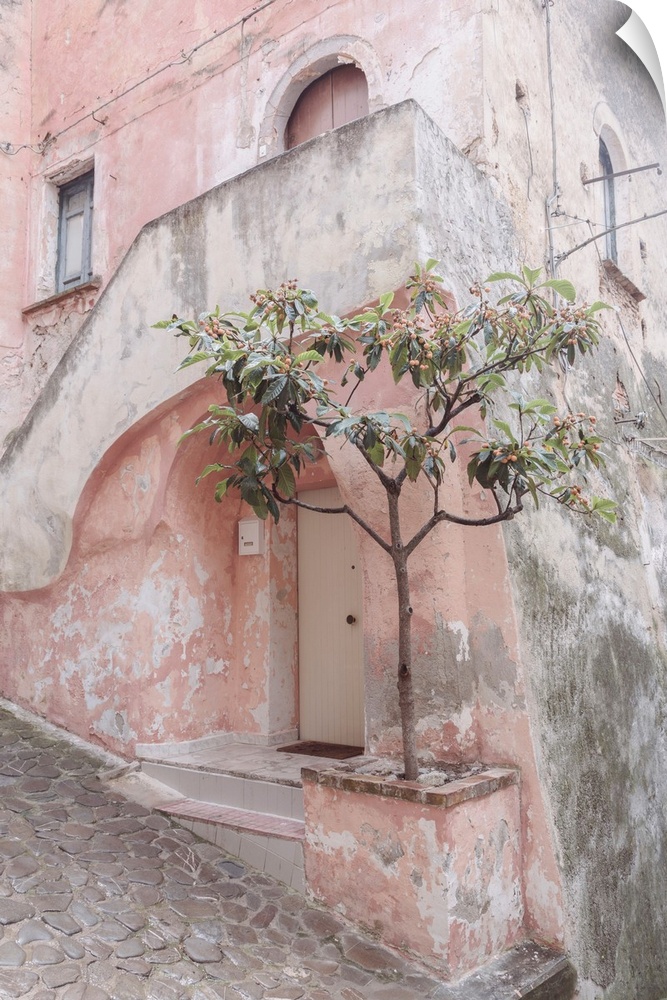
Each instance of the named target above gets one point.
<point>83,183</point>
<point>609,203</point>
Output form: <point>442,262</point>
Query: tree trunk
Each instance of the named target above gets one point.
<point>405,691</point>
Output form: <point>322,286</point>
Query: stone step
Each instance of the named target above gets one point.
<point>528,971</point>
<point>231,790</point>
<point>271,844</point>
<point>243,820</point>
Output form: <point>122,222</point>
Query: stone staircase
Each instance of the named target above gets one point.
<point>245,799</point>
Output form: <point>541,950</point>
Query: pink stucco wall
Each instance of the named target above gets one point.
<point>438,878</point>
<point>157,630</point>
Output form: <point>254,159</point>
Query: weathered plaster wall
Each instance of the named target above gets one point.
<point>15,81</point>
<point>118,371</point>
<point>590,599</point>
<point>157,630</point>
<point>433,872</point>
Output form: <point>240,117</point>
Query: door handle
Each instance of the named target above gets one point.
<point>350,619</point>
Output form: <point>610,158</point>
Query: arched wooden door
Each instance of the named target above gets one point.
<point>338,97</point>
<point>331,681</point>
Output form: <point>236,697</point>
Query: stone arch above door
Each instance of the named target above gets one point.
<point>324,56</point>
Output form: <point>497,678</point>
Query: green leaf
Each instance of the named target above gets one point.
<point>605,508</point>
<point>250,421</point>
<point>399,360</point>
<point>376,454</point>
<point>419,301</point>
<point>413,467</point>
<point>562,287</point>
<point>533,492</point>
<point>275,387</point>
<point>505,428</point>
<point>504,276</point>
<point>307,356</point>
<point>531,274</point>
<point>221,488</point>
<point>215,467</point>
<point>285,481</point>
<point>194,359</point>
<point>464,427</point>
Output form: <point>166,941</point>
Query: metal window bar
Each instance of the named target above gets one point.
<point>623,173</point>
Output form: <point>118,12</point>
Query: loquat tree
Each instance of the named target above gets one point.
<point>279,409</point>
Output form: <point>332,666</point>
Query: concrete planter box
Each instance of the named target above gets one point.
<point>435,872</point>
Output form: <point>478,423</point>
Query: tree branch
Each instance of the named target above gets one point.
<point>447,415</point>
<point>477,522</point>
<point>470,401</point>
<point>386,480</point>
<point>355,387</point>
<point>287,501</point>
<point>400,479</point>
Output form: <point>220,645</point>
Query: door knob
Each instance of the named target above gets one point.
<point>350,619</point>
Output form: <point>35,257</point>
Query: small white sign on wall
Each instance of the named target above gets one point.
<point>251,537</point>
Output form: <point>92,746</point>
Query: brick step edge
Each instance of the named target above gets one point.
<point>529,971</point>
<point>243,820</point>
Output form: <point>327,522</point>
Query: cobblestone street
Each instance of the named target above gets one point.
<point>102,898</point>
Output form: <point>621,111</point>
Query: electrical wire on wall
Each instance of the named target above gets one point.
<point>11,150</point>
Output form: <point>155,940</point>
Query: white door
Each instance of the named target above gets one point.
<point>331,682</point>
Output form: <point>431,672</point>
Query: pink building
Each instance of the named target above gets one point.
<point>157,160</point>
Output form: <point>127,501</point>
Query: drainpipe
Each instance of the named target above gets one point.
<point>552,199</point>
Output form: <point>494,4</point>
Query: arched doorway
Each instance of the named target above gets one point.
<point>338,97</point>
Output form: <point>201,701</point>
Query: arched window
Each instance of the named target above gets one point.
<point>609,195</point>
<point>338,97</point>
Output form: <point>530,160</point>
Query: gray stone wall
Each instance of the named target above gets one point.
<point>590,597</point>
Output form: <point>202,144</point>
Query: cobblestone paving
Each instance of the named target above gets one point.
<point>101,898</point>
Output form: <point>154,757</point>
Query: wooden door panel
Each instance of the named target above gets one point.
<point>338,97</point>
<point>349,95</point>
<point>312,113</point>
<point>331,689</point>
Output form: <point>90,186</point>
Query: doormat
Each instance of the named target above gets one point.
<point>314,749</point>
